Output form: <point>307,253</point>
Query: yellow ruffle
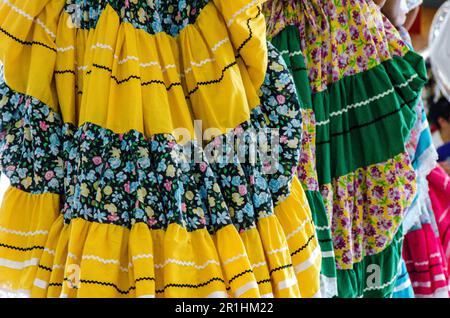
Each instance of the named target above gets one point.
<point>44,257</point>
<point>123,78</point>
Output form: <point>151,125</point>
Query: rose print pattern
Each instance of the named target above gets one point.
<point>338,38</point>
<point>368,207</point>
<point>126,178</point>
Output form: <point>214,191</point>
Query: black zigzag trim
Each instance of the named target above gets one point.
<point>304,246</point>
<point>96,282</point>
<point>65,72</point>
<point>26,42</point>
<point>159,291</point>
<point>239,275</point>
<point>48,269</point>
<point>145,278</point>
<point>250,34</point>
<point>280,268</point>
<point>212,81</point>
<point>55,284</point>
<point>366,124</point>
<point>325,240</point>
<point>264,281</point>
<point>121,81</point>
<point>23,249</point>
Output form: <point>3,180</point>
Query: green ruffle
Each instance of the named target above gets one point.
<point>374,108</point>
<point>363,280</point>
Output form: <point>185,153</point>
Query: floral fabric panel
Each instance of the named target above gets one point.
<point>338,38</point>
<point>368,208</point>
<point>153,16</point>
<point>126,178</point>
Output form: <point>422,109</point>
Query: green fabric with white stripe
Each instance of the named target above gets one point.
<point>373,108</point>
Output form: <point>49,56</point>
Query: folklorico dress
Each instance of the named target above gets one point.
<point>105,200</point>
<point>365,83</point>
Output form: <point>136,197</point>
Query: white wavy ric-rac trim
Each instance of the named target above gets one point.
<point>107,261</point>
<point>323,228</point>
<point>389,283</point>
<point>260,264</point>
<point>99,45</point>
<point>278,250</point>
<point>234,258</point>
<point>65,49</point>
<point>21,233</point>
<point>291,54</point>
<point>146,256</point>
<point>187,264</point>
<point>298,229</point>
<point>163,68</point>
<point>367,101</point>
<point>241,10</point>
<point>142,256</point>
<point>29,17</point>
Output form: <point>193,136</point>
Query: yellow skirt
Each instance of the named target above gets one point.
<point>102,203</point>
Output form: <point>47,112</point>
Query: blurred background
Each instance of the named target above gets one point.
<point>421,28</point>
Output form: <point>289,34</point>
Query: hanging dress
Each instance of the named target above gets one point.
<point>365,82</point>
<point>112,193</point>
<point>287,43</point>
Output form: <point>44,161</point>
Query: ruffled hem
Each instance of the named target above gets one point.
<point>375,275</point>
<point>124,194</point>
<point>44,255</point>
<point>351,113</point>
<point>426,263</point>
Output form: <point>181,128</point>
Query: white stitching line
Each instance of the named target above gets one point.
<point>29,17</point>
<point>30,233</point>
<point>367,101</point>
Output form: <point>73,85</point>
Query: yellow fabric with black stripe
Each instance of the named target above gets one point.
<point>122,78</point>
